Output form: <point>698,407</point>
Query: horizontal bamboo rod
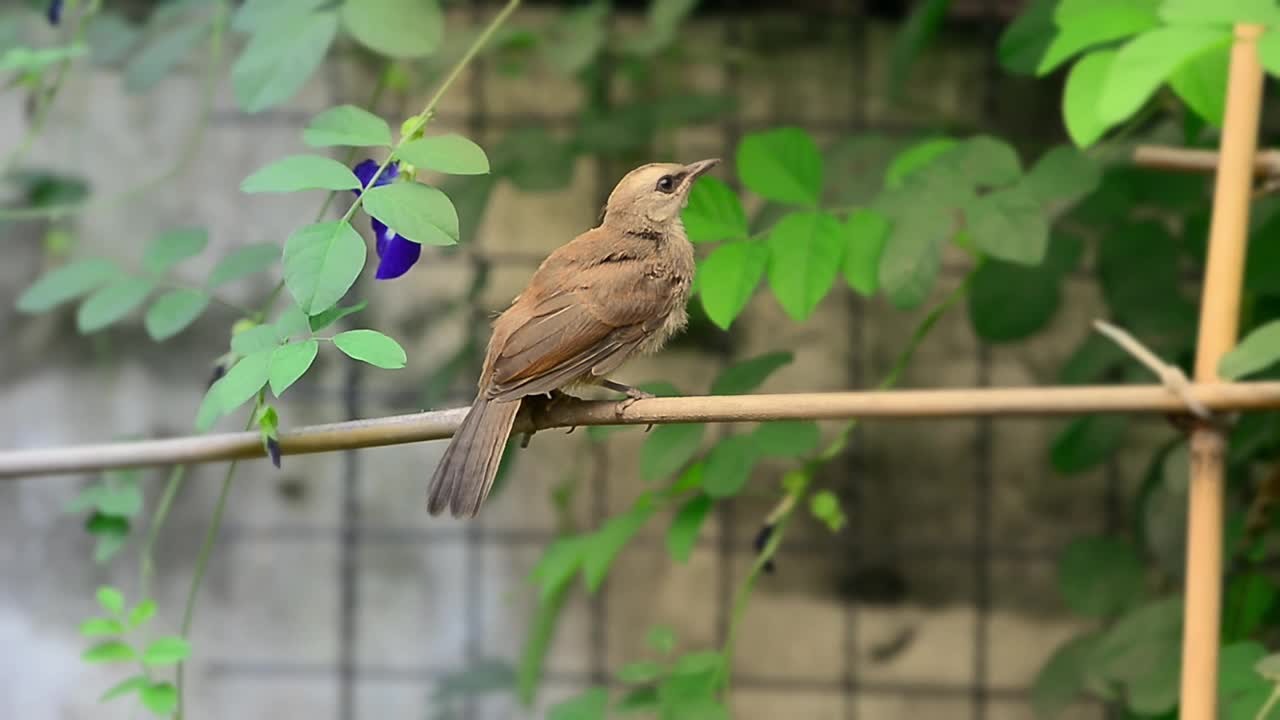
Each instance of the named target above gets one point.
<point>440,424</point>
<point>1159,157</point>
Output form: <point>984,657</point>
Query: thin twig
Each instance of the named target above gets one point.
<point>1158,157</point>
<point>1171,375</point>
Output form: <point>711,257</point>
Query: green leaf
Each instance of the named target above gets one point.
<point>261,15</point>
<point>729,466</point>
<point>244,380</point>
<point>685,526</point>
<point>728,278</point>
<point>291,323</point>
<point>417,212</point>
<point>661,638</point>
<point>1010,302</point>
<point>98,627</point>
<point>605,544</point>
<point>244,262</point>
<point>143,612</point>
<point>1062,678</point>
<point>171,248</point>
<point>1220,12</point>
<point>1146,61</point>
<point>1009,225</point>
<point>30,60</point>
<point>981,160</point>
<point>334,314</point>
<point>714,212</point>
<point>639,672</point>
<point>109,305</point>
<point>161,55</point>
<point>66,283</point>
<point>746,375</point>
<point>915,158</point>
<point>253,339</point>
<point>124,687</point>
<point>275,65</point>
<point>1142,652</point>
<point>173,312</point>
<point>301,172</point>
<point>1064,174</point>
<point>322,262</point>
<point>1202,82</point>
<point>558,564</point>
<point>166,651</point>
<point>1082,97</point>
<point>805,252</point>
<point>210,409</point>
<point>1269,51</point>
<point>865,233</point>
<point>1258,351</point>
<point>668,448</point>
<point>160,698</point>
<point>110,651</point>
<point>1086,442</point>
<point>1241,690</point>
<point>1100,576</point>
<point>637,700</point>
<point>1141,275</point>
<point>920,27</point>
<point>825,506</point>
<point>395,28</point>
<point>372,347</point>
<point>785,438</point>
<point>290,362</point>
<point>590,705</point>
<point>347,126</point>
<point>1024,41</point>
<point>452,154</point>
<point>1088,23</point>
<point>911,259</point>
<point>782,165</point>
<point>1249,599</point>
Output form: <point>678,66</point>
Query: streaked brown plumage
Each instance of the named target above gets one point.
<point>614,291</point>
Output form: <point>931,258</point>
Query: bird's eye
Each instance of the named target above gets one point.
<point>666,184</point>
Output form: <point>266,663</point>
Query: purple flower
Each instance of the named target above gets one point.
<point>54,12</point>
<point>396,255</point>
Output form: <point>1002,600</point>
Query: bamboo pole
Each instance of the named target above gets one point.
<point>1219,321</point>
<point>436,425</point>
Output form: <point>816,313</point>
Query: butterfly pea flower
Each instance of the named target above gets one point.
<point>54,12</point>
<point>395,254</point>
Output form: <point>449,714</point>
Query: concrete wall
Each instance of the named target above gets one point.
<point>333,595</point>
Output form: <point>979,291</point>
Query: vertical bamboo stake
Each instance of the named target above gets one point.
<point>1219,320</point>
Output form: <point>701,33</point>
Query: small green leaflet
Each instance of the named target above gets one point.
<point>243,380</point>
<point>728,278</point>
<point>124,687</point>
<point>110,651</point>
<point>608,541</point>
<point>349,126</point>
<point>322,262</point>
<point>173,312</point>
<point>98,627</point>
<point>1009,225</point>
<point>1063,174</point>
<point>981,160</point>
<point>1062,678</point>
<point>668,448</point>
<point>747,375</point>
<point>372,347</point>
<point>452,154</point>
<point>714,212</point>
<point>417,212</point>
<point>782,165</point>
<point>914,158</point>
<point>685,526</point>
<point>395,28</point>
<point>166,651</point>
<point>291,323</point>
<point>259,15</point>
<point>161,55</point>
<point>290,362</point>
<point>1089,24</point>
<point>1100,577</point>
<point>141,613</point>
<point>66,283</point>
<point>1009,302</point>
<point>111,599</point>
<point>301,172</point>
<point>253,339</point>
<point>866,233</point>
<point>160,698</point>
<point>1146,61</point>
<point>1259,350</point>
<point>34,60</point>
<point>170,248</point>
<point>111,304</point>
<point>244,262</point>
<point>825,506</point>
<point>1082,95</point>
<point>275,65</point>
<point>912,257</point>
<point>1202,82</point>
<point>729,466</point>
<point>590,705</point>
<point>334,314</point>
<point>639,672</point>
<point>805,253</point>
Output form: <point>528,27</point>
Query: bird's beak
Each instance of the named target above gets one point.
<point>693,170</point>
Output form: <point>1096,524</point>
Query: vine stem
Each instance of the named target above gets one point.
<point>1271,701</point>
<point>185,157</point>
<point>780,516</point>
<point>147,560</point>
<point>44,103</point>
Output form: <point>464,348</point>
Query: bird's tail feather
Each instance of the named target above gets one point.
<point>465,474</point>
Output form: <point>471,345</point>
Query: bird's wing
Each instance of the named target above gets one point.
<point>599,320</point>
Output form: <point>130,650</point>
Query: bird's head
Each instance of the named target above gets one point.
<point>654,193</point>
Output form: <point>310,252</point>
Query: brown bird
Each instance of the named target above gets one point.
<point>614,291</point>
